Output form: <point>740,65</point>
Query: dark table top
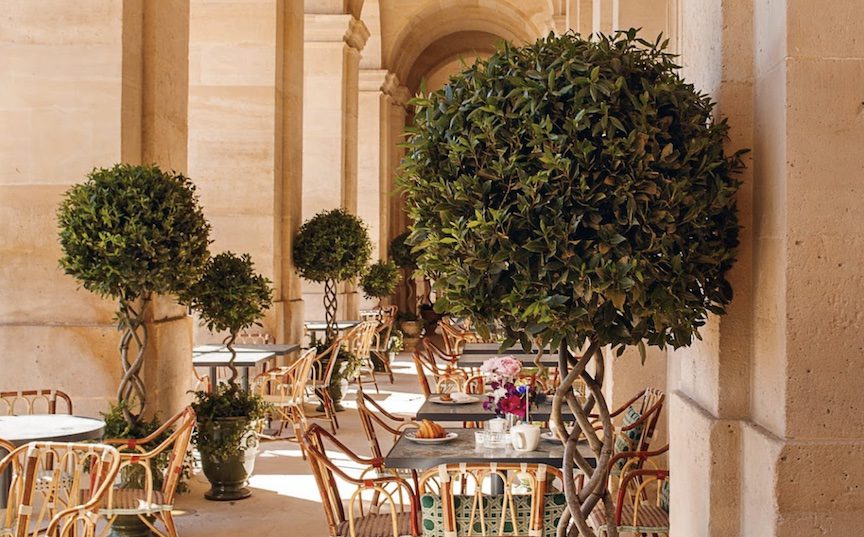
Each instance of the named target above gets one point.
<point>315,326</point>
<point>222,358</point>
<point>476,360</point>
<point>494,349</point>
<point>474,411</point>
<point>280,349</point>
<point>410,455</point>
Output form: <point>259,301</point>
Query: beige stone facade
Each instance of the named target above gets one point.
<point>278,109</point>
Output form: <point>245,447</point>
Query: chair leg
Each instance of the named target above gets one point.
<point>168,519</point>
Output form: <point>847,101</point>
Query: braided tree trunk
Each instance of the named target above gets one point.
<point>581,502</point>
<point>229,344</point>
<point>330,306</point>
<point>131,394</point>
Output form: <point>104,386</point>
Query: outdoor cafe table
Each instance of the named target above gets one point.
<point>244,360</point>
<point>279,349</point>
<point>475,412</point>
<point>495,349</point>
<point>406,454</point>
<point>476,360</point>
<point>313,327</point>
<point>44,427</point>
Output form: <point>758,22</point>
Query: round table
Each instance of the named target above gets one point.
<point>44,427</point>
<point>49,427</point>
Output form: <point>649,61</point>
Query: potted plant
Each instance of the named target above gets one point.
<point>406,260</point>
<point>128,233</point>
<point>395,344</point>
<point>346,370</point>
<point>380,280</point>
<point>596,208</point>
<point>331,247</point>
<point>230,297</point>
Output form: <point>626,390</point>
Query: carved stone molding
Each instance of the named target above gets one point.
<point>335,28</point>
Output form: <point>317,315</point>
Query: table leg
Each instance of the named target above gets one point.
<point>246,379</point>
<point>214,380</point>
<point>497,485</point>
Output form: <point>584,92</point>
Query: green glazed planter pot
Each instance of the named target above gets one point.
<point>129,526</point>
<point>229,478</point>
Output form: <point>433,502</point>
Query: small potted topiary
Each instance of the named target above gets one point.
<point>230,297</point>
<point>331,247</point>
<point>128,233</point>
<point>380,280</point>
<point>405,259</point>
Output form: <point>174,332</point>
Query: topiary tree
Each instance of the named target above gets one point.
<point>577,193</point>
<point>126,233</point>
<point>380,280</point>
<point>333,246</point>
<point>405,259</point>
<point>230,297</point>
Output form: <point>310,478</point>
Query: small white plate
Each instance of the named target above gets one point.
<point>462,401</point>
<point>412,436</point>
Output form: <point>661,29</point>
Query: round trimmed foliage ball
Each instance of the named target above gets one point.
<point>131,230</point>
<point>574,189</point>
<point>401,252</point>
<point>380,280</point>
<point>332,245</point>
<point>230,295</point>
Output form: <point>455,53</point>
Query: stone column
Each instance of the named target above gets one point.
<point>709,382</point>
<point>331,76</point>
<point>235,131</point>
<point>83,85</point>
<point>396,117</point>
<point>372,178</point>
<point>288,304</point>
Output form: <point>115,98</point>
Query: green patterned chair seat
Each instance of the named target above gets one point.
<point>625,439</point>
<point>433,515</point>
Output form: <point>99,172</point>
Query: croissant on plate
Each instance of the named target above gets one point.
<point>430,429</point>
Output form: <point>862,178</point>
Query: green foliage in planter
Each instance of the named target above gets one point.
<point>133,230</point>
<point>574,189</point>
<point>133,476</point>
<point>380,280</point>
<point>401,254</point>
<point>347,364</point>
<point>228,401</point>
<point>230,295</point>
<point>332,245</point>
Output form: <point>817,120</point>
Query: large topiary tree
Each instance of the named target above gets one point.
<point>332,246</point>
<point>579,194</point>
<point>127,233</point>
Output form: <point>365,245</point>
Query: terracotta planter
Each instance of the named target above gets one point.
<point>411,329</point>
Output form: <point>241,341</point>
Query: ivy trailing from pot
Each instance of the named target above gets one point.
<point>230,297</point>
<point>577,193</point>
<point>331,247</point>
<point>128,233</point>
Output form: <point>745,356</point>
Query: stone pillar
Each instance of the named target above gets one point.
<point>396,117</point>
<point>372,178</point>
<point>709,382</point>
<point>331,76</point>
<point>233,116</point>
<point>83,85</point>
<point>288,304</point>
<point>802,471</point>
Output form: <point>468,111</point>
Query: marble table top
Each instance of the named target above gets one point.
<point>495,349</point>
<point>476,360</point>
<point>49,427</point>
<point>406,454</point>
<point>314,326</point>
<point>475,412</point>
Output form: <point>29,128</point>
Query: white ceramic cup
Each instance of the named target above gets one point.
<point>525,437</point>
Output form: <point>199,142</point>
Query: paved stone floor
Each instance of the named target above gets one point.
<point>285,500</point>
